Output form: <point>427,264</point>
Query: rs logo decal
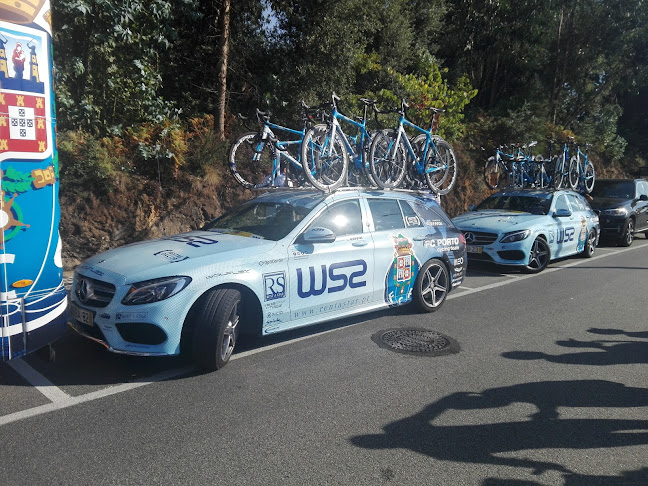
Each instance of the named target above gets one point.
<point>334,275</point>
<point>564,235</point>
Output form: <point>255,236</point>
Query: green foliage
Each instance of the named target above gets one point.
<point>86,164</point>
<point>430,90</point>
<point>156,149</point>
<point>107,57</point>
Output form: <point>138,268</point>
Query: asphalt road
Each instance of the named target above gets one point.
<point>549,387</point>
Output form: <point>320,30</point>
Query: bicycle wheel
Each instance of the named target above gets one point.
<point>252,161</point>
<point>574,173</point>
<point>387,162</point>
<point>494,173</point>
<point>361,176</point>
<point>559,178</point>
<point>324,158</point>
<point>539,174</point>
<point>444,164</point>
<point>590,177</point>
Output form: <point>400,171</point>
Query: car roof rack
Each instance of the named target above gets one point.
<point>420,192</point>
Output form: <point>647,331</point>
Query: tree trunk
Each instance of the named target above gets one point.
<point>222,73</point>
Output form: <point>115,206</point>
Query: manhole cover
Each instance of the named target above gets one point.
<point>416,341</point>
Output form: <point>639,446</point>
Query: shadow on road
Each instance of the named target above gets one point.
<point>605,352</point>
<point>545,429</point>
<point>627,478</point>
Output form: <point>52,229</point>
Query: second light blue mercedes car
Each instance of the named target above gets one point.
<point>529,228</point>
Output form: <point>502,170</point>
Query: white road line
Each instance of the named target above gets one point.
<point>42,384</point>
<point>60,402</point>
<point>88,397</point>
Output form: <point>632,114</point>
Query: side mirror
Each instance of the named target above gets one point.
<point>471,207</point>
<point>562,213</point>
<point>316,235</point>
<point>643,197</point>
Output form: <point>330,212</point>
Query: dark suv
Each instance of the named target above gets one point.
<point>622,205</point>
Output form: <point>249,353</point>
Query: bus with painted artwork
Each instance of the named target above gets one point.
<point>32,296</point>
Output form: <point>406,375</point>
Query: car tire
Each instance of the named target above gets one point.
<point>590,245</point>
<point>432,285</point>
<point>214,324</point>
<point>628,234</point>
<point>539,256</point>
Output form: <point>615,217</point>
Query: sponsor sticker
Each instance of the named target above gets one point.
<point>171,256</point>
<point>274,285</point>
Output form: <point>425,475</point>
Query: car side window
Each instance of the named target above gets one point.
<point>643,188</point>
<point>561,203</point>
<point>386,214</point>
<point>576,204</point>
<point>343,218</point>
<point>411,218</point>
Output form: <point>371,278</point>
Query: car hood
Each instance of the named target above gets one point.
<point>497,220</point>
<point>609,202</point>
<point>178,253</point>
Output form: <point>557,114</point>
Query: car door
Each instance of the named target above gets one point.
<point>398,235</point>
<point>331,278</point>
<point>642,206</point>
<point>580,211</point>
<point>565,228</point>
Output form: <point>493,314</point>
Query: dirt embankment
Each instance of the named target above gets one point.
<point>137,208</point>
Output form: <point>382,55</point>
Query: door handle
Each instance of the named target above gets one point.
<point>359,243</point>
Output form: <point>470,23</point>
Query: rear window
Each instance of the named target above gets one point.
<point>431,215</point>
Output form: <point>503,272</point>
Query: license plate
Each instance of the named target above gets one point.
<point>82,315</point>
<point>473,249</point>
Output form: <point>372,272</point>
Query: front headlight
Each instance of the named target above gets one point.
<point>515,236</point>
<point>615,212</point>
<point>154,290</point>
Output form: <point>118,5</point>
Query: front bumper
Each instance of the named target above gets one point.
<point>502,254</point>
<point>612,226</point>
<point>97,336</point>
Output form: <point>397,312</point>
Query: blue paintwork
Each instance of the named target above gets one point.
<point>294,283</point>
<point>565,235</point>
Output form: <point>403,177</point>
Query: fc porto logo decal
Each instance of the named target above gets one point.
<point>401,274</point>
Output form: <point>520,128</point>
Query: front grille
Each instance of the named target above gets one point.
<point>511,255</point>
<point>479,237</point>
<point>93,292</point>
<point>141,333</point>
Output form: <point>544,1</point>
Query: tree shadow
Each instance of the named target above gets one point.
<point>483,443</point>
<point>605,352</point>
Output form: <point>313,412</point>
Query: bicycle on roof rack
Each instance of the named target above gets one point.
<point>394,158</point>
<point>256,158</point>
<point>581,170</point>
<point>324,161</point>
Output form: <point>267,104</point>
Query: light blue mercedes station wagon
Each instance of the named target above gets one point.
<point>283,260</point>
<point>529,228</point>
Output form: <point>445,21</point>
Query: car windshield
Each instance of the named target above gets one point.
<point>618,189</point>
<point>268,220</point>
<point>534,204</point>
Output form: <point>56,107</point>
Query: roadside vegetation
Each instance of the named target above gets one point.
<point>147,91</point>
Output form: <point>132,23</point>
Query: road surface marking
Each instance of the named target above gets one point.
<point>42,384</point>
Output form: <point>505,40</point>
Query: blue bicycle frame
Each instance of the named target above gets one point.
<point>429,144</point>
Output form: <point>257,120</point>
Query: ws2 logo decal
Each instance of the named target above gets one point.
<point>565,235</point>
<point>334,274</point>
